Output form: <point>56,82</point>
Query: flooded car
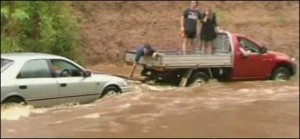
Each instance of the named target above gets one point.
<point>45,80</point>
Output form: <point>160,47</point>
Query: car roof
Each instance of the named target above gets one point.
<point>28,56</point>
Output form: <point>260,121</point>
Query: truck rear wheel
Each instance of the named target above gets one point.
<point>197,79</point>
<point>281,73</point>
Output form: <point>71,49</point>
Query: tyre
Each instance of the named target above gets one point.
<point>12,101</point>
<point>281,73</point>
<point>197,79</point>
<point>110,90</point>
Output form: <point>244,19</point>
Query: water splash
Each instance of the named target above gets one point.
<point>90,116</point>
<point>15,112</point>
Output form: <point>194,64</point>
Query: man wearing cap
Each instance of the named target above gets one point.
<point>143,50</point>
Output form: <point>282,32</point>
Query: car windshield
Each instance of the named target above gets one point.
<point>5,63</point>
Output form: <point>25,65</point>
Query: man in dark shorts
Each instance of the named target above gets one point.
<point>143,50</point>
<point>189,25</point>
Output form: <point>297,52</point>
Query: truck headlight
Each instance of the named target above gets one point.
<point>293,59</point>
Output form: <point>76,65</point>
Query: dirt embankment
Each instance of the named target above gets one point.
<point>109,28</point>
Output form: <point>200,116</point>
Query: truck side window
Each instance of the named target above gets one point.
<point>247,44</point>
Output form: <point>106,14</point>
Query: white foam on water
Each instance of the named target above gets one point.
<point>266,91</point>
<point>125,106</point>
<point>90,116</point>
<point>253,92</point>
<point>133,82</point>
<point>145,116</point>
<point>164,127</point>
<point>40,110</point>
<point>177,101</point>
<point>287,88</point>
<point>116,127</point>
<point>58,122</point>
<point>145,131</point>
<point>85,105</point>
<point>11,130</point>
<point>137,89</point>
<point>213,103</point>
<point>59,108</point>
<point>285,95</point>
<point>195,86</point>
<point>137,97</point>
<point>165,88</point>
<point>82,129</point>
<point>63,110</point>
<point>248,100</point>
<point>244,90</point>
<point>15,112</point>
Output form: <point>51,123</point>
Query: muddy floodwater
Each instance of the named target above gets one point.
<point>234,109</point>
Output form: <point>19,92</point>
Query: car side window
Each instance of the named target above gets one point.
<point>249,45</point>
<point>35,69</point>
<point>62,68</point>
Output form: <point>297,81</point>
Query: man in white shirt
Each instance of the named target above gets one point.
<point>243,49</point>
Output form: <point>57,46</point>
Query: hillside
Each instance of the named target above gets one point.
<point>108,28</point>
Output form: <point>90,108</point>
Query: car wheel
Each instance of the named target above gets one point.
<point>110,90</point>
<point>197,79</point>
<point>13,101</point>
<point>281,73</point>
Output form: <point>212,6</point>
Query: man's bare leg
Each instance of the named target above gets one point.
<point>132,70</point>
<point>192,44</point>
<point>210,47</point>
<point>184,45</point>
<point>204,43</point>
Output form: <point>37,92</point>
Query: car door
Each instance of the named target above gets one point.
<point>253,66</point>
<point>36,84</point>
<point>73,86</point>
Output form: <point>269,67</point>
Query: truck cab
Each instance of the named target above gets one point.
<point>260,63</point>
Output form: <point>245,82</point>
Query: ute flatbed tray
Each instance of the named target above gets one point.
<point>173,59</point>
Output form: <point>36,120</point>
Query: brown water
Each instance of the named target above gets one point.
<point>235,109</point>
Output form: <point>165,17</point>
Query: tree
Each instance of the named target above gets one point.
<point>39,26</point>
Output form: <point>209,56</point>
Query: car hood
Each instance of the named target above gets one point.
<point>279,55</point>
<point>106,77</point>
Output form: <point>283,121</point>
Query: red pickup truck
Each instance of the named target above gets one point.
<point>235,57</point>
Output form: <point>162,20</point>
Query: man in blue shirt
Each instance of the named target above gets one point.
<point>143,50</point>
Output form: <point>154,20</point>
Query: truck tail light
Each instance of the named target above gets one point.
<point>159,69</point>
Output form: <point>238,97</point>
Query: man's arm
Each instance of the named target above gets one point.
<point>182,23</point>
<point>133,69</point>
<point>182,18</point>
<point>245,53</point>
<point>204,20</point>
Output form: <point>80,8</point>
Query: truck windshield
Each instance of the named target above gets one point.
<point>5,63</point>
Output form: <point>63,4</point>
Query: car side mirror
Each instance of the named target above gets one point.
<point>87,74</point>
<point>263,50</point>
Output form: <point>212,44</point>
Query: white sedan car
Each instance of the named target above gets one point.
<point>45,80</point>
